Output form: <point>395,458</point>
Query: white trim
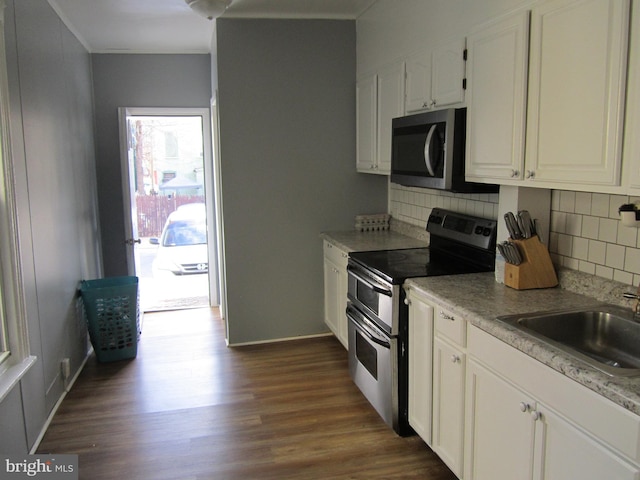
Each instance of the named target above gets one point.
<point>205,115</point>
<point>13,314</point>
<point>12,375</point>
<point>278,340</point>
<point>54,410</point>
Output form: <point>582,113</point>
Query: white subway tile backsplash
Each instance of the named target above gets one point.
<point>558,222</point>
<point>587,267</point>
<point>573,224</point>
<point>585,233</point>
<point>613,249</point>
<point>604,272</point>
<point>413,205</point>
<point>580,248</point>
<point>565,243</point>
<point>590,227</point>
<point>608,231</point>
<point>627,236</point>
<point>614,203</point>
<point>632,260</point>
<point>567,201</point>
<point>597,252</point>
<point>615,256</point>
<point>600,205</point>
<point>583,203</point>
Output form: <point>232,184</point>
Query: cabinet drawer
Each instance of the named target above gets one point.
<point>335,254</point>
<point>451,326</point>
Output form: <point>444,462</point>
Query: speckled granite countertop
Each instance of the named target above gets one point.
<point>480,299</point>
<point>355,241</point>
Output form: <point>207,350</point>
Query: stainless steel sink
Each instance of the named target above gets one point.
<point>606,337</point>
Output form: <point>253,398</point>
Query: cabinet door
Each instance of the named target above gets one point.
<point>447,73</point>
<point>420,367</point>
<point>366,111</point>
<point>496,99</point>
<point>335,297</point>
<point>563,452</point>
<point>499,428</point>
<point>390,105</point>
<point>576,90</point>
<point>418,82</point>
<point>448,404</point>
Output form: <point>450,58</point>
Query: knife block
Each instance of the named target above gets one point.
<point>536,269</point>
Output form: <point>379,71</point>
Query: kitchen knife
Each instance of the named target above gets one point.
<point>503,252</point>
<point>526,225</point>
<point>512,226</point>
<point>515,253</point>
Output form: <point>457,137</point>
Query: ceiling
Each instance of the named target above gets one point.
<point>170,26</point>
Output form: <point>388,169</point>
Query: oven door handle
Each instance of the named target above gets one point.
<point>368,283</point>
<point>364,329</point>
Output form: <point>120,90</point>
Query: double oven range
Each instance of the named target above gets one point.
<point>378,317</point>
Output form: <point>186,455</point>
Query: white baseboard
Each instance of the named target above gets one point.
<point>36,444</point>
<point>277,340</point>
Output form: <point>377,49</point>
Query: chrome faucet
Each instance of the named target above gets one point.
<point>636,297</point>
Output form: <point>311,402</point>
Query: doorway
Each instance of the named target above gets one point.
<point>166,160</point>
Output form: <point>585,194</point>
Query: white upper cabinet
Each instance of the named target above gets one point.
<point>496,99</point>
<point>578,62</point>
<point>549,113</point>
<point>435,77</point>
<point>631,148</point>
<point>367,100</point>
<point>380,98</point>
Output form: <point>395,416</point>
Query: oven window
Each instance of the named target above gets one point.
<point>367,355</point>
<point>368,297</point>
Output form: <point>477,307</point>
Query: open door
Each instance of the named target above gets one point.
<point>169,206</point>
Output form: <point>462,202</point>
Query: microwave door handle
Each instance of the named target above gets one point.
<point>427,150</point>
<point>369,284</point>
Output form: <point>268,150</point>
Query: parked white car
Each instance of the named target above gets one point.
<point>182,247</point>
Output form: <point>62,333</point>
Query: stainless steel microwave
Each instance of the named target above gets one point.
<point>427,150</point>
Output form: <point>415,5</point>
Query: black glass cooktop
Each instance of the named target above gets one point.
<point>397,265</point>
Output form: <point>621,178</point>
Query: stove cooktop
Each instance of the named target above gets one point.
<point>395,266</point>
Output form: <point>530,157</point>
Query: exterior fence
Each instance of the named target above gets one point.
<point>153,211</point>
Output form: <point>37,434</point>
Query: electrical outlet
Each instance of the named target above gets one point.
<point>65,367</point>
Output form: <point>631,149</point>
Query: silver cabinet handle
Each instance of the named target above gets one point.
<point>447,317</point>
<point>515,173</point>
<point>524,407</point>
<point>455,358</point>
<point>536,415</point>
<point>530,174</point>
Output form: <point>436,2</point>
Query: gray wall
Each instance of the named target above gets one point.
<point>135,81</point>
<point>53,155</point>
<point>287,139</point>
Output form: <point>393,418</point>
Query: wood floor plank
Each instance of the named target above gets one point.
<point>189,408</point>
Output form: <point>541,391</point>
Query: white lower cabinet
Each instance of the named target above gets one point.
<point>420,365</point>
<point>335,291</point>
<point>499,436</point>
<point>437,378</point>
<point>563,451</point>
<point>512,434</point>
<point>448,403</point>
<point>491,412</point>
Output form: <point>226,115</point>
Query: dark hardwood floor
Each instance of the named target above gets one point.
<point>190,408</point>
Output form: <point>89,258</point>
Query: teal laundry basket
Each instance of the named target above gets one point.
<point>112,312</point>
